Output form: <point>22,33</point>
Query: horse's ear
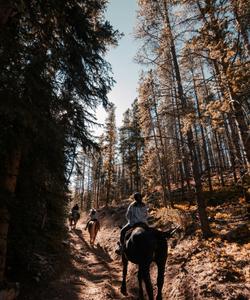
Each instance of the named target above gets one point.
<point>167,234</point>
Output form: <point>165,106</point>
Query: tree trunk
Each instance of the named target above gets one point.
<point>179,152</point>
<point>8,187</point>
<point>162,174</point>
<point>4,224</point>
<point>220,166</point>
<point>184,154</point>
<point>238,125</point>
<point>197,148</point>
<point>197,178</point>
<point>164,168</point>
<point>207,164</point>
<point>240,25</point>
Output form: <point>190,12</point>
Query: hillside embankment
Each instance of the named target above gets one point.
<point>217,268</point>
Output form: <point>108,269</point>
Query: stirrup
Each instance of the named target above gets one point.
<point>119,250</point>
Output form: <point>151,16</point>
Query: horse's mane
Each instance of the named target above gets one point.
<point>166,234</point>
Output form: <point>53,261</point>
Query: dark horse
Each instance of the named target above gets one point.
<point>73,219</point>
<point>93,228</point>
<point>143,245</point>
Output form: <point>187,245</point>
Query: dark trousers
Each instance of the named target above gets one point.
<point>123,232</point>
<point>128,226</point>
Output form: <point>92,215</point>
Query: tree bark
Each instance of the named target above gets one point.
<point>207,164</point>
<point>8,187</point>
<point>197,178</point>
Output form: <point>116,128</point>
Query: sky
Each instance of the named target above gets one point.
<point>122,16</point>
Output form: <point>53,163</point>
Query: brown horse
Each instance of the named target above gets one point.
<point>93,228</point>
<point>142,247</point>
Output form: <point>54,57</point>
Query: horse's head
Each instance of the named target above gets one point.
<point>170,233</point>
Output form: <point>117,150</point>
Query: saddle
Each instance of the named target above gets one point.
<point>96,222</point>
<point>140,224</point>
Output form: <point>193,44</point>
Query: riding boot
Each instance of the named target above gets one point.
<point>119,249</point>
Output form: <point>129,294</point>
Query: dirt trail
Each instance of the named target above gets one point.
<point>196,269</point>
<point>95,271</point>
<point>99,273</point>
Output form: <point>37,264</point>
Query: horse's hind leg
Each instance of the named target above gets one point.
<point>94,238</point>
<point>160,278</point>
<point>70,223</point>
<point>91,237</point>
<point>140,284</point>
<point>145,272</point>
<point>124,275</point>
<point>92,234</point>
<point>76,223</point>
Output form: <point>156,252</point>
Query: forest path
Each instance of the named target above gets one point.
<point>98,274</point>
<point>196,269</point>
<point>95,271</point>
<point>93,274</point>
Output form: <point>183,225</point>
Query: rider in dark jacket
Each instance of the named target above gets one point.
<point>75,211</point>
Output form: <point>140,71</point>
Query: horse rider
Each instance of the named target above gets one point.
<point>93,216</point>
<point>137,213</point>
<point>75,212</point>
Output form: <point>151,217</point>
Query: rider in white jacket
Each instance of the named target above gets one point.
<point>137,212</point>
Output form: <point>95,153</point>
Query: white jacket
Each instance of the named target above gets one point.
<point>137,213</point>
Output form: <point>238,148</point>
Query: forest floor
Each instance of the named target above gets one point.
<point>217,268</point>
